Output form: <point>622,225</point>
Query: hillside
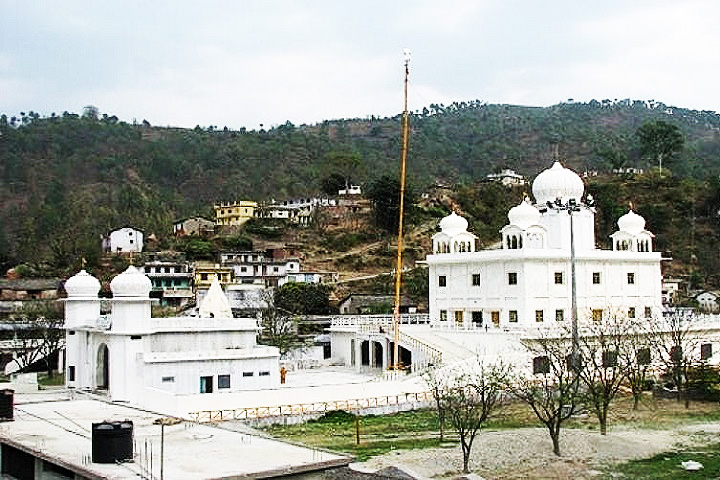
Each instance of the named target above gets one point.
<point>67,179</point>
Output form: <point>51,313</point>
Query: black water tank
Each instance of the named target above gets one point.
<point>6,404</point>
<point>112,442</point>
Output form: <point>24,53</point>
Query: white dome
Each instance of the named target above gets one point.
<point>82,284</point>
<point>524,215</point>
<point>131,283</point>
<point>453,224</point>
<point>555,182</point>
<point>631,222</point>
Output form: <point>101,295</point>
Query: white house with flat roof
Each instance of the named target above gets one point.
<point>122,240</point>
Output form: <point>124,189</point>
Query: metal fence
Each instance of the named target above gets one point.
<point>204,416</point>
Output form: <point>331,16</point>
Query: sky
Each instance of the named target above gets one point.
<point>258,64</point>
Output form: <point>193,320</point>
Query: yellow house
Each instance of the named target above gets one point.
<point>235,213</point>
<point>205,272</point>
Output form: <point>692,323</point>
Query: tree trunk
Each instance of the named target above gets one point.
<point>603,422</point>
<point>466,457</point>
<point>556,444</point>
<point>636,400</point>
<point>555,436</point>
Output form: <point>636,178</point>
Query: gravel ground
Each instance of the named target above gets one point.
<point>527,453</point>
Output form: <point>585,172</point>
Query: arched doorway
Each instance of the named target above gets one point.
<point>405,356</point>
<point>365,353</point>
<point>378,355</point>
<point>102,368</point>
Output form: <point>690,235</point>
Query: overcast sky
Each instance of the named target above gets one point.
<point>246,63</point>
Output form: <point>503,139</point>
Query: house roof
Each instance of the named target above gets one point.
<point>364,299</point>
<point>29,283</point>
<point>126,226</point>
<point>195,217</point>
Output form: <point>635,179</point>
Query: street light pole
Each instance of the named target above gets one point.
<point>571,207</point>
<point>573,313</point>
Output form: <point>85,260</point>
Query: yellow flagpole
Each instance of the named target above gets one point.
<point>400,247</point>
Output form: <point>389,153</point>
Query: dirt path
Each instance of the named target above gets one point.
<point>527,453</point>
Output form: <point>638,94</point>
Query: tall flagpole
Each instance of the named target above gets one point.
<point>400,247</point>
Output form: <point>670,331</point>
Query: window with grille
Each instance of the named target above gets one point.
<point>559,280</point>
<point>512,278</point>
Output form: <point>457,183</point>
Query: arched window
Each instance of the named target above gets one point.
<point>520,242</point>
<point>514,242</point>
<point>507,239</point>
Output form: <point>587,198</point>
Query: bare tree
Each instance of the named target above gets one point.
<point>435,378</point>
<point>675,340</point>
<point>469,398</point>
<point>636,359</point>
<point>38,333</point>
<point>607,353</point>
<point>552,389</point>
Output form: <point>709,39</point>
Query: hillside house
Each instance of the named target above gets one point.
<point>351,190</point>
<point>29,288</point>
<point>205,272</point>
<point>171,281</point>
<point>234,213</point>
<point>123,240</point>
<point>507,177</point>
<point>258,267</point>
<point>193,226</point>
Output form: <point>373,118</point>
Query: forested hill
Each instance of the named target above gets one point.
<point>67,179</point>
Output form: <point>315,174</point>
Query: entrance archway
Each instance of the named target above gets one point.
<point>365,353</point>
<point>378,355</point>
<point>102,368</point>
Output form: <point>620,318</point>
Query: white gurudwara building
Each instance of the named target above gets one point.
<point>528,282</point>
<point>132,357</point>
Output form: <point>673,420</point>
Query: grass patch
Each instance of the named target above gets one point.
<point>380,434</point>
<point>667,465</point>
<point>56,380</point>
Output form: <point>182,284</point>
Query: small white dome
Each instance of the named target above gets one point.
<point>555,182</point>
<point>82,284</point>
<point>131,283</point>
<point>631,222</point>
<point>524,215</point>
<point>453,224</point>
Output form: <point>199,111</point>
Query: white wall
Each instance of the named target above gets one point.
<point>126,240</point>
